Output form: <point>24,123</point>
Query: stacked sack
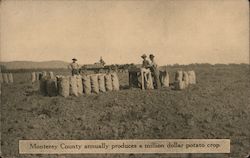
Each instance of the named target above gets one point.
<point>77,85</point>
<point>94,83</point>
<point>10,77</point>
<point>35,76</point>
<point>48,84</point>
<point>6,78</point>
<point>73,88</point>
<point>183,79</point>
<point>179,83</point>
<point>101,82</point>
<point>51,85</point>
<point>42,84</point>
<point>1,81</point>
<point>63,85</point>
<point>98,83</point>
<point>86,84</point>
<point>1,78</point>
<point>115,82</point>
<point>164,78</point>
<point>108,82</point>
<point>192,77</point>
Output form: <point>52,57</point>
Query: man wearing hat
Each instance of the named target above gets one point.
<point>146,73</point>
<point>145,62</point>
<point>155,71</point>
<point>74,67</point>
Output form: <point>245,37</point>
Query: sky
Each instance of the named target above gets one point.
<point>175,31</point>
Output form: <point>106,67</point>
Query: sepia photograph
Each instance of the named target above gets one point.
<point>124,79</point>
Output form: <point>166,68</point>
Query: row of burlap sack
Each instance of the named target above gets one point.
<point>6,78</point>
<point>148,79</point>
<point>78,85</point>
<point>183,79</point>
<point>36,76</point>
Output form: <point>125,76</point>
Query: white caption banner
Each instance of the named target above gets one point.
<point>124,146</point>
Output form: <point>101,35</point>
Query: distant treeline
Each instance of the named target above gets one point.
<point>32,70</point>
<point>206,65</point>
<point>123,67</point>
<point>113,66</point>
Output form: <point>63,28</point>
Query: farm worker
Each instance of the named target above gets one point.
<point>155,71</point>
<point>146,73</point>
<point>102,61</point>
<point>145,62</point>
<point>74,67</point>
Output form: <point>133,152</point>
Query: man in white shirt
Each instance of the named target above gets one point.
<point>145,62</point>
<point>155,71</point>
<point>146,73</point>
<point>74,67</point>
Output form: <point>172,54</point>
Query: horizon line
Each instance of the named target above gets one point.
<point>124,63</point>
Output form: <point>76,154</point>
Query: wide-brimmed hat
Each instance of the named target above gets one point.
<point>144,56</point>
<point>151,55</point>
<point>74,59</point>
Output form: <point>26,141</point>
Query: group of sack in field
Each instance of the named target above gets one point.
<point>6,78</point>
<point>76,85</point>
<point>181,81</point>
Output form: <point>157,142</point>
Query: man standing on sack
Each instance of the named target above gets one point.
<point>155,71</point>
<point>74,67</point>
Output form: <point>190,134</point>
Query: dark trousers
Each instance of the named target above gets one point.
<point>156,73</point>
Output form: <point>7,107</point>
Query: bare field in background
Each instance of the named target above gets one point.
<point>216,107</point>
